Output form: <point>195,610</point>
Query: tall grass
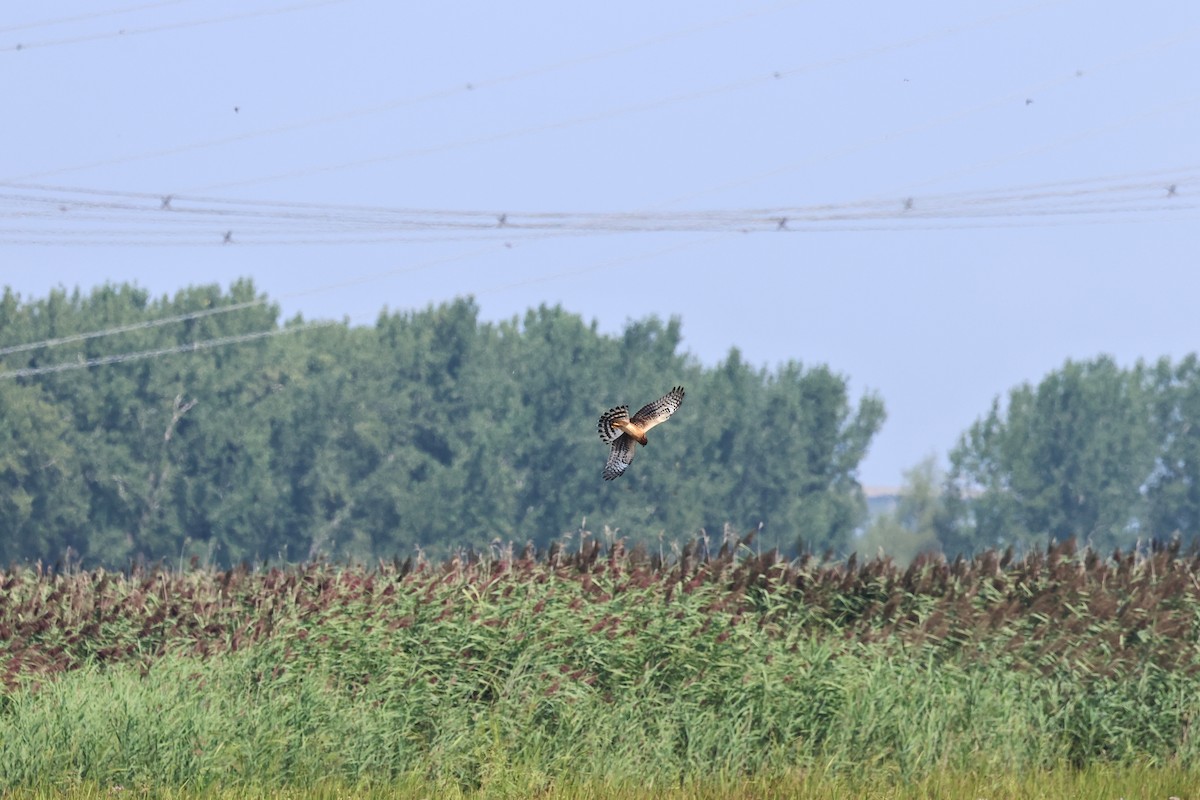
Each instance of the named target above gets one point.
<point>515,677</point>
<point>1104,782</point>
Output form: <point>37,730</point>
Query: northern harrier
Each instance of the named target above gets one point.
<point>622,431</point>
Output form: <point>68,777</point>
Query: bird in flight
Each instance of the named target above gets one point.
<point>622,431</point>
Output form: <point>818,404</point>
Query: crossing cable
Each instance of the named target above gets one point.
<point>151,323</point>
<point>169,26</point>
<point>403,102</point>
<point>206,344</point>
<point>343,220</point>
<point>832,222</point>
<point>1132,54</point>
<point>154,323</point>
<point>112,12</point>
<point>266,223</point>
<point>649,105</point>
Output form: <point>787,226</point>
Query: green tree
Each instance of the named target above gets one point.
<point>42,510</point>
<point>430,429</point>
<point>1173,490</point>
<point>782,450</point>
<point>1065,459</point>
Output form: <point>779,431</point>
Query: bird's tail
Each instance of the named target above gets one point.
<point>609,434</point>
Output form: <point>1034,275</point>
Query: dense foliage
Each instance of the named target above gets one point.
<point>1105,454</point>
<point>433,430</point>
<point>600,663</point>
<point>430,429</point>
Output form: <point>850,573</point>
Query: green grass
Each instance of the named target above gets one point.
<point>1059,677</point>
<point>672,708</point>
<point>1096,783</point>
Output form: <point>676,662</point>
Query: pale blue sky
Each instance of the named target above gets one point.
<point>634,109</point>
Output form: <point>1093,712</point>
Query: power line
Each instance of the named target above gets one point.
<point>1008,97</point>
<point>112,12</point>
<point>136,326</point>
<point>240,338</point>
<point>996,102</point>
<point>1073,138</point>
<point>154,323</point>
<point>803,226</point>
<point>659,103</point>
<point>94,217</point>
<point>434,94</point>
<point>635,108</point>
<point>206,344</point>
<point>169,26</point>
<point>1140,192</point>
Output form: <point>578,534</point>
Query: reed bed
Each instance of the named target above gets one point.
<point>514,675</point>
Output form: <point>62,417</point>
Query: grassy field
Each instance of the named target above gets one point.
<point>606,674</point>
<point>1097,783</point>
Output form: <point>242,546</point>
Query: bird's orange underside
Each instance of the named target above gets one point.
<point>633,430</point>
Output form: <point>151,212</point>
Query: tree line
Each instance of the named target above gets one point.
<point>1106,455</point>
<point>433,430</point>
<point>428,430</point>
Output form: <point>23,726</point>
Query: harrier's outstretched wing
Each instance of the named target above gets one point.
<point>659,411</point>
<point>620,457</point>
